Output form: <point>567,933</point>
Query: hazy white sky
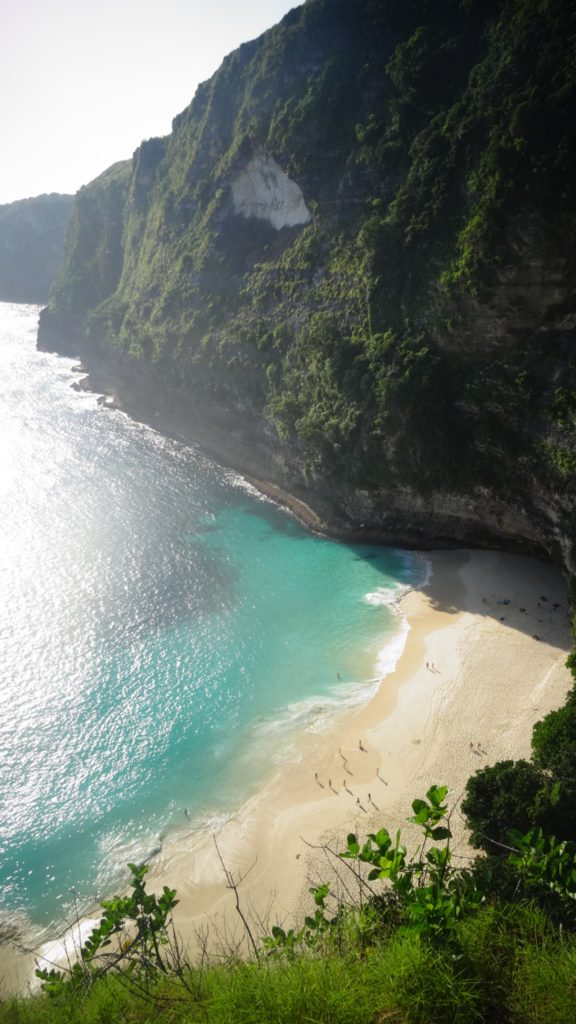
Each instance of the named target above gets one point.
<point>82,82</point>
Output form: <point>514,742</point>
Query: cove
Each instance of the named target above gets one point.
<point>165,635</point>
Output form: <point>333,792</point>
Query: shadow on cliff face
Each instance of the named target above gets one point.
<point>268,512</point>
<point>522,593</point>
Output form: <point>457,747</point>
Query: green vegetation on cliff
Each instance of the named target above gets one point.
<point>417,332</point>
<point>92,261</point>
<point>32,236</point>
<point>411,339</point>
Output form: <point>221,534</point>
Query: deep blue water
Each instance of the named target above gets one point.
<point>164,632</point>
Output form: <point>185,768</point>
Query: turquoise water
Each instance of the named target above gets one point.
<point>164,634</point>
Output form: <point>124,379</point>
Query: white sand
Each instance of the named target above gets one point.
<point>491,681</point>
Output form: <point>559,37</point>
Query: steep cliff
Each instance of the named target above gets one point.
<point>351,266</point>
<point>92,262</point>
<point>32,236</point>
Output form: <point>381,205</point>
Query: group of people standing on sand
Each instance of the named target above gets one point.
<point>345,786</point>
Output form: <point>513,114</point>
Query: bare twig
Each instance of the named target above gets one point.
<point>363,884</point>
<point>231,884</point>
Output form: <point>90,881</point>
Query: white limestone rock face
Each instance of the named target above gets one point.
<point>263,190</point>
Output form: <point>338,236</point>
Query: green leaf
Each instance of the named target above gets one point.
<point>381,838</point>
<point>419,805</point>
<point>437,794</point>
<point>421,812</point>
<point>353,844</point>
<point>441,833</point>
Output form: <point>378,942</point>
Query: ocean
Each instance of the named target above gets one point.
<point>165,635</point>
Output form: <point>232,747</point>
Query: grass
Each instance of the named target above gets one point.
<point>511,967</point>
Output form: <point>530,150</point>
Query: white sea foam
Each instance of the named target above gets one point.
<point>307,714</point>
<point>419,570</point>
<point>314,714</point>
<point>210,821</point>
<point>272,739</point>
<point>391,653</point>
<point>85,400</point>
<point>242,484</point>
<point>388,597</point>
<point>65,948</point>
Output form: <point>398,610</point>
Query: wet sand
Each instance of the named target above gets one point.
<point>487,682</point>
<point>483,661</point>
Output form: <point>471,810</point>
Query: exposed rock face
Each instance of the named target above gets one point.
<point>350,269</point>
<point>263,190</point>
<point>531,292</point>
<point>32,235</point>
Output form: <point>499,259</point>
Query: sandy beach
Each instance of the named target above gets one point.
<point>487,682</point>
<point>484,659</point>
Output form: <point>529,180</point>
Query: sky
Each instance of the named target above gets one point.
<point>83,82</point>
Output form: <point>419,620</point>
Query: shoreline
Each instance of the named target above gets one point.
<point>421,727</point>
<point>492,681</point>
<point>271,470</point>
<point>340,512</point>
<point>216,444</point>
